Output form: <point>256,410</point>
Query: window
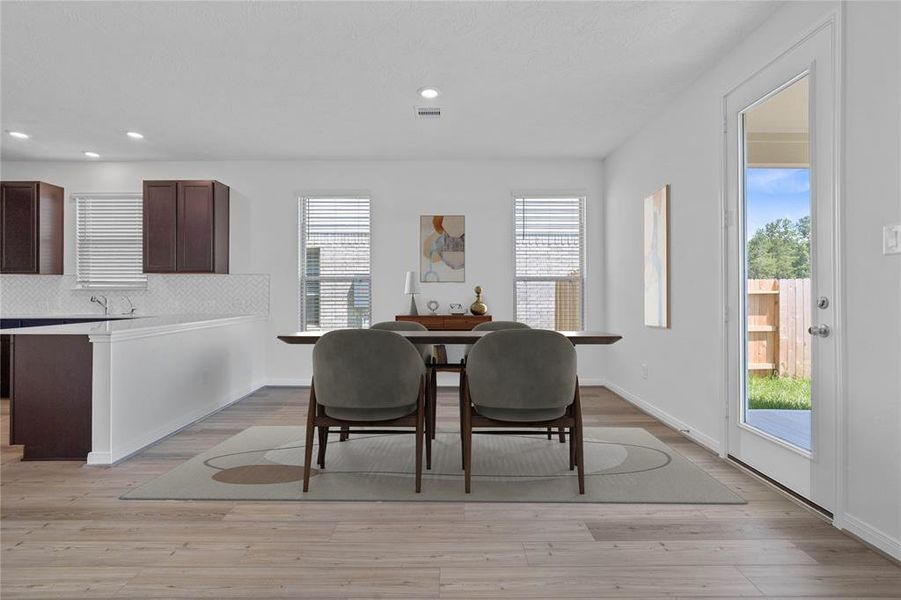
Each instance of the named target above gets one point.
<point>335,279</point>
<point>109,241</point>
<point>550,261</point>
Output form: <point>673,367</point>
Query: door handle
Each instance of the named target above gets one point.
<point>819,330</point>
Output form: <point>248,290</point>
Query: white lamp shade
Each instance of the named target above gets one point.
<point>411,283</point>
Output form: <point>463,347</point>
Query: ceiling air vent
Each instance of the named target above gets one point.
<point>428,112</point>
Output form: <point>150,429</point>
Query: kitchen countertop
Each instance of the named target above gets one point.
<point>126,327</point>
<point>69,316</point>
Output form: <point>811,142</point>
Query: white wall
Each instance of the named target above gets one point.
<point>873,281</point>
<point>264,226</point>
<point>682,147</point>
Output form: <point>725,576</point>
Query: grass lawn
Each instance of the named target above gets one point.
<point>779,392</point>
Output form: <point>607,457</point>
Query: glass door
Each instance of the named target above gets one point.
<point>775,135</point>
<point>780,163</point>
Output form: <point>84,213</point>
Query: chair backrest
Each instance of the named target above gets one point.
<point>495,326</point>
<point>500,326</point>
<point>424,349</point>
<point>366,368</point>
<point>522,369</point>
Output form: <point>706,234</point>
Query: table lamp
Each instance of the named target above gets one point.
<point>411,286</point>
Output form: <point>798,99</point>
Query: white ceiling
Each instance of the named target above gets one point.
<point>266,80</point>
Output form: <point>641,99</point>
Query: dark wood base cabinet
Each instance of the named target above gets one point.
<point>50,396</point>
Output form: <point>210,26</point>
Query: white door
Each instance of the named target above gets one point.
<point>780,193</point>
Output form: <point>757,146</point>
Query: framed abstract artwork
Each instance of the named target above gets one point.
<point>442,248</point>
<point>656,259</point>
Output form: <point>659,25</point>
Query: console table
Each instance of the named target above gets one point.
<point>446,322</point>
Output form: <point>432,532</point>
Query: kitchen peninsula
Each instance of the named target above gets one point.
<point>102,390</point>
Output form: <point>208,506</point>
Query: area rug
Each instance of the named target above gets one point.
<point>623,465</point>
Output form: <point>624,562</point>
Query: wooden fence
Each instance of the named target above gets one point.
<point>778,318</point>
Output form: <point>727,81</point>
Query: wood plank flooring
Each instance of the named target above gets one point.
<point>65,534</point>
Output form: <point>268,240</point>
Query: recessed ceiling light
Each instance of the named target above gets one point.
<point>90,154</point>
<point>429,93</point>
<point>135,135</point>
<point>19,135</point>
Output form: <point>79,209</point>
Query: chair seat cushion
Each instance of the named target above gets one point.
<point>521,415</point>
<point>369,414</point>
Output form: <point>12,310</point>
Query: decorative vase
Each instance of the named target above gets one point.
<point>478,307</point>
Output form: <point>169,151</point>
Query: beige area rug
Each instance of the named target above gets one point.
<point>625,465</point>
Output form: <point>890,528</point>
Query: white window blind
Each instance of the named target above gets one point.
<point>109,241</point>
<point>335,278</point>
<point>550,261</point>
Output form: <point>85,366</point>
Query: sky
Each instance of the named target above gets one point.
<point>775,194</point>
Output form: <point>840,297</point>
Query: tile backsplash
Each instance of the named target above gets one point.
<point>36,295</point>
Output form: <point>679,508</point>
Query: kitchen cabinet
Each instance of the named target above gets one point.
<point>186,227</point>
<point>31,228</point>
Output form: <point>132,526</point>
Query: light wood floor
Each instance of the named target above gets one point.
<point>65,534</point>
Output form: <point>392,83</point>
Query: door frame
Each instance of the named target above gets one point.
<point>834,22</point>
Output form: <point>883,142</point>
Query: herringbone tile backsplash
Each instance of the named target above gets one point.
<point>37,295</point>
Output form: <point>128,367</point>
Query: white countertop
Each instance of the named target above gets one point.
<point>123,328</point>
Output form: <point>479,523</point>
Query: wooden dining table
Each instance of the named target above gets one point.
<point>577,338</point>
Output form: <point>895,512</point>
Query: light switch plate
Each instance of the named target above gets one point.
<point>891,239</point>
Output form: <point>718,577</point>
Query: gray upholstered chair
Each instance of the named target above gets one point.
<point>500,326</point>
<point>432,388</point>
<point>424,349</point>
<point>522,379</point>
<point>365,378</point>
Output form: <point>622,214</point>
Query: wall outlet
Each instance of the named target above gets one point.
<point>644,371</point>
<point>891,239</point>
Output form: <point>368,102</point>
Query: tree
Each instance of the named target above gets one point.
<point>780,250</point>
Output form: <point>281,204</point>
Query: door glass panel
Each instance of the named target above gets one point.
<point>777,211</point>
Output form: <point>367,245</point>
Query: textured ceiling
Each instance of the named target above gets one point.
<point>267,80</point>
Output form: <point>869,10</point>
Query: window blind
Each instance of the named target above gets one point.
<point>109,241</point>
<point>334,255</point>
<point>550,261</point>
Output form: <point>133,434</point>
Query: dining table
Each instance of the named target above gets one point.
<point>577,338</point>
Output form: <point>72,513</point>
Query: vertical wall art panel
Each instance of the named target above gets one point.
<point>656,266</point>
<point>442,248</point>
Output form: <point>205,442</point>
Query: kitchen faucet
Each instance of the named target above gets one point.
<point>102,301</point>
<point>131,307</point>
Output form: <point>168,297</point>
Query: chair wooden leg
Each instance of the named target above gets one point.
<point>429,432</point>
<point>572,449</point>
<point>345,434</point>
<point>580,440</point>
<point>420,426</point>
<point>550,433</point>
<point>308,448</point>
<point>467,446</point>
<point>561,431</point>
<point>323,444</point>
<point>462,408</point>
<point>434,399</point>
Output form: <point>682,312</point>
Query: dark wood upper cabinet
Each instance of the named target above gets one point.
<point>31,228</point>
<point>186,227</point>
<point>160,218</point>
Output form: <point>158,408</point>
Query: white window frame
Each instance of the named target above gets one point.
<point>138,283</point>
<point>302,278</point>
<point>583,202</point>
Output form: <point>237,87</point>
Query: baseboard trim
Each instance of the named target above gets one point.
<point>871,536</point>
<point>685,429</point>
<point>288,382</point>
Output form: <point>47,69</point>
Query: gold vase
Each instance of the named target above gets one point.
<point>478,307</point>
